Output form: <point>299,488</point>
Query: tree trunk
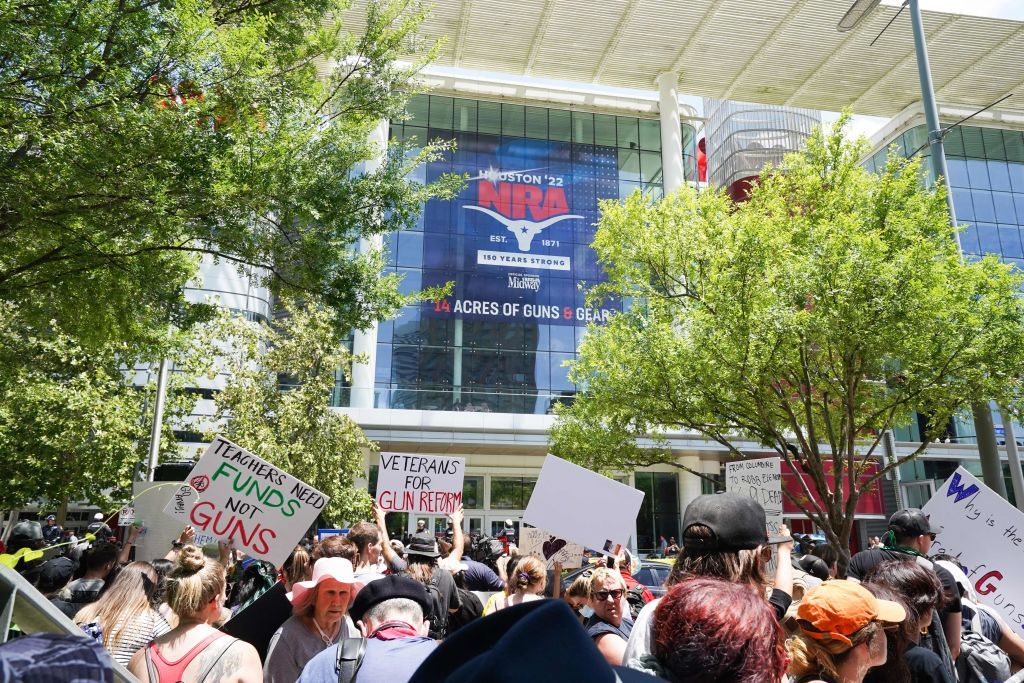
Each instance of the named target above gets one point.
<point>12,519</point>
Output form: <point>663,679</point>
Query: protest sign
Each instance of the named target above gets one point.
<point>759,480</point>
<point>235,496</point>
<point>408,482</point>
<point>158,530</point>
<point>550,548</point>
<point>126,516</point>
<point>582,506</point>
<point>986,535</point>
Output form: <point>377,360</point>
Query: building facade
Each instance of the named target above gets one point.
<point>985,158</point>
<point>478,373</point>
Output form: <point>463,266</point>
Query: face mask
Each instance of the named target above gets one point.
<point>587,611</point>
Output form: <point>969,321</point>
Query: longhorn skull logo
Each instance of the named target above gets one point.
<point>524,230</point>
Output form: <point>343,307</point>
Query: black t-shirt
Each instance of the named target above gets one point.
<point>863,562</point>
<point>925,666</point>
<point>597,627</point>
<point>780,602</point>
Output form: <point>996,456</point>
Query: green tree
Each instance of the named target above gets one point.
<point>139,135</point>
<point>277,404</point>
<point>810,319</point>
<point>73,426</point>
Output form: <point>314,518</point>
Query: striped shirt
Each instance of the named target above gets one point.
<point>139,633</point>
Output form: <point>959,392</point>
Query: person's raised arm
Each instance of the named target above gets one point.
<point>458,537</point>
<point>129,541</point>
<point>556,590</point>
<point>379,516</point>
<point>784,564</point>
<point>188,534</point>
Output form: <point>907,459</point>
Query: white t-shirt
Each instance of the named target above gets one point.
<point>641,638</point>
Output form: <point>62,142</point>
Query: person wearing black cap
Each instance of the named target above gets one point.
<point>54,576</point>
<point>422,554</point>
<point>910,536</point>
<point>389,614</point>
<point>725,536</point>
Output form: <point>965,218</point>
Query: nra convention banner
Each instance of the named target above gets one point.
<point>516,240</point>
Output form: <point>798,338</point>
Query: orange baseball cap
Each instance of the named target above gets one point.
<point>836,610</point>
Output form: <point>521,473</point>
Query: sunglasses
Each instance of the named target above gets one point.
<point>604,595</point>
<point>931,535</point>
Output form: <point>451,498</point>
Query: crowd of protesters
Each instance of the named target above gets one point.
<point>739,606</point>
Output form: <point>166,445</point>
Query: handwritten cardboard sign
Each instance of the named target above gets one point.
<point>582,506</point>
<point>234,495</point>
<point>759,480</point>
<point>986,534</point>
<point>409,482</point>
<point>550,548</point>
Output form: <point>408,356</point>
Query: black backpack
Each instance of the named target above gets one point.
<point>438,613</point>
<point>470,610</point>
<point>635,598</point>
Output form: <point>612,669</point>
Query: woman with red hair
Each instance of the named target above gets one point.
<point>716,631</point>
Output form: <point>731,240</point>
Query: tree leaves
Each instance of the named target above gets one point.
<point>810,319</point>
<point>277,403</point>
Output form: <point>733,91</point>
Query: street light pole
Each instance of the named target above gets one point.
<point>988,452</point>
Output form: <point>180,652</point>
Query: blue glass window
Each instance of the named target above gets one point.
<point>969,240</point>
<point>988,236</point>
<point>999,175</point>
<point>1016,173</point>
<point>983,208</point>
<point>957,172</point>
<point>1009,237</point>
<point>962,204</point>
<point>1003,202</point>
<point>977,171</point>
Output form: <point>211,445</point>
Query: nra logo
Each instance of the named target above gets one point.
<point>525,208</point>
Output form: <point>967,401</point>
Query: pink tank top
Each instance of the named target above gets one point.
<point>173,672</point>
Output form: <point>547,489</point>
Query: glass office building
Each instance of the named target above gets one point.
<point>986,174</point>
<point>515,244</point>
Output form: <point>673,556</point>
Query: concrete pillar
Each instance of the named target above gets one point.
<point>365,341</point>
<point>689,484</point>
<point>671,134</point>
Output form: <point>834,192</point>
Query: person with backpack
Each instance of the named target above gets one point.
<point>99,528</point>
<point>443,595</point>
<point>390,614</point>
<point>910,537</point>
<point>921,594</point>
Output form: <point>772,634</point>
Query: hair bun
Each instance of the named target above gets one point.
<point>191,559</point>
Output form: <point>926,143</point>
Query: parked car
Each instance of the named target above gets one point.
<point>651,573</point>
